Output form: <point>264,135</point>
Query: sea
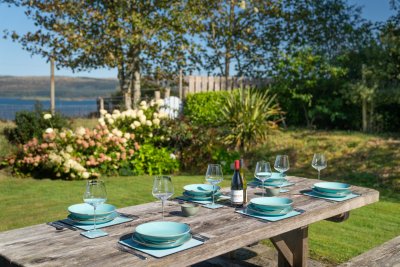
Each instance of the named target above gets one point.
<point>69,108</point>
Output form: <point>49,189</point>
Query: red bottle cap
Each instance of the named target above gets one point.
<point>237,164</point>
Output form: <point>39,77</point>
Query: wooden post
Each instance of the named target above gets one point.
<point>157,95</point>
<point>180,84</point>
<point>185,91</point>
<point>167,92</point>
<point>101,104</point>
<point>52,88</point>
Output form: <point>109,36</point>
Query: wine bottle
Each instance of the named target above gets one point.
<point>244,181</point>
<point>237,186</point>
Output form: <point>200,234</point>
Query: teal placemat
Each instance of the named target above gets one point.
<point>203,202</point>
<point>270,218</point>
<point>258,183</point>
<point>157,252</point>
<point>338,199</point>
<point>117,220</point>
<point>94,234</point>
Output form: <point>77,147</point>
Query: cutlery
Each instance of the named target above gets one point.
<point>200,237</point>
<point>127,215</point>
<point>65,225</point>
<point>57,226</point>
<point>130,251</point>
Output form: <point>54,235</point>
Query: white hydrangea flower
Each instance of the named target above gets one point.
<point>160,102</point>
<point>132,126</point>
<point>152,103</point>
<point>85,175</point>
<point>108,116</point>
<point>115,116</point>
<point>102,122</point>
<point>69,149</point>
<point>110,121</point>
<point>136,123</point>
<point>150,134</point>
<point>103,112</point>
<point>156,121</point>
<point>149,123</point>
<point>47,116</point>
<point>155,115</point>
<point>116,111</point>
<point>142,119</point>
<point>172,156</point>
<point>127,135</point>
<point>143,103</point>
<point>49,130</point>
<point>140,113</point>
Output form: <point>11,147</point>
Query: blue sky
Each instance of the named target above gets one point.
<point>18,62</point>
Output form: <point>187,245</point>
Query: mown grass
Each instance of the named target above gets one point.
<point>359,159</point>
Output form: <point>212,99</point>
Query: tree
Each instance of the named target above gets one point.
<point>134,36</point>
<point>237,35</point>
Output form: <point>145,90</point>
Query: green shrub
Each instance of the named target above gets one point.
<point>248,114</point>
<point>204,108</point>
<point>152,160</point>
<point>32,124</point>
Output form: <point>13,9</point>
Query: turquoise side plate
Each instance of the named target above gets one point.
<point>271,203</point>
<point>332,187</point>
<point>201,189</point>
<point>197,197</point>
<point>85,211</point>
<point>162,231</point>
<point>327,194</point>
<point>279,212</point>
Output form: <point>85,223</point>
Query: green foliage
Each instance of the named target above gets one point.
<point>205,108</point>
<point>307,85</point>
<point>33,124</point>
<point>153,160</point>
<point>248,114</point>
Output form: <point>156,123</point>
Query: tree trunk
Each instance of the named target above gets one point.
<point>125,86</point>
<point>306,116</point>
<point>364,115</point>
<point>229,42</point>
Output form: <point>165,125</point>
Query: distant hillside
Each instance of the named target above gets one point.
<point>66,87</point>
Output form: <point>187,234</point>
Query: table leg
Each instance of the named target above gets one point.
<point>292,247</point>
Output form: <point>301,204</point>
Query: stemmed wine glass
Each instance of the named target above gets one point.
<point>95,195</point>
<point>214,176</point>
<point>262,172</point>
<point>319,163</point>
<point>282,164</point>
<point>163,189</point>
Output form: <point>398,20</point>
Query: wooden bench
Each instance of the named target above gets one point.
<point>386,255</point>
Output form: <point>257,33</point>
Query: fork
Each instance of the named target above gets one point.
<point>130,251</point>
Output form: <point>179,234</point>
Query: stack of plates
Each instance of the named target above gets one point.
<point>276,179</point>
<point>162,234</point>
<point>270,206</point>
<point>201,192</point>
<point>84,214</point>
<point>332,189</point>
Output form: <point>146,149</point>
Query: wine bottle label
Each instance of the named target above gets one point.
<point>237,196</point>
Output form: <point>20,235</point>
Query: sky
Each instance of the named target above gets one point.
<point>17,62</point>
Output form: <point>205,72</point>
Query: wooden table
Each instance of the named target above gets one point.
<point>42,245</point>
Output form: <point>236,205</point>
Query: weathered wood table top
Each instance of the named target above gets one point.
<point>42,245</point>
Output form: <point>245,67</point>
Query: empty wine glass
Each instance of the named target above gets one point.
<point>319,163</point>
<point>95,195</point>
<point>282,164</point>
<point>262,172</point>
<point>214,176</point>
<point>163,189</point>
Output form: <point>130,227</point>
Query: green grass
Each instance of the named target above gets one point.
<point>359,159</point>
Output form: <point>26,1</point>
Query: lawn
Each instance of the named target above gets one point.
<point>359,159</point>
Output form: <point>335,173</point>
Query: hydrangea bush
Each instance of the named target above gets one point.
<point>114,145</point>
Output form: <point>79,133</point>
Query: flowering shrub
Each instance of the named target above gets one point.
<point>113,145</point>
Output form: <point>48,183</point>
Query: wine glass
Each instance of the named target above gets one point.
<point>95,195</point>
<point>319,163</point>
<point>262,172</point>
<point>163,189</point>
<point>214,176</point>
<point>282,164</point>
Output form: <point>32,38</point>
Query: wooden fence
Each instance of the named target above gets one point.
<point>197,84</point>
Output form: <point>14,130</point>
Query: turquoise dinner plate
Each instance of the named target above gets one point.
<point>162,231</point>
<point>163,245</point>
<point>332,187</point>
<point>270,213</point>
<point>271,203</point>
<point>273,182</point>
<point>91,222</point>
<point>326,194</point>
<point>201,189</point>
<point>201,198</point>
<point>85,211</point>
